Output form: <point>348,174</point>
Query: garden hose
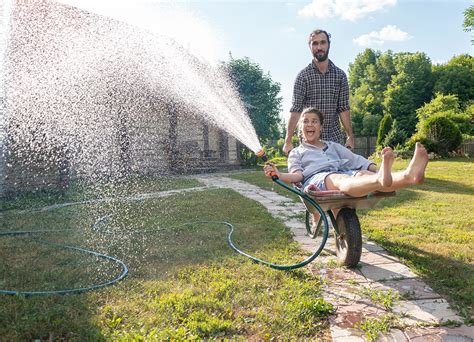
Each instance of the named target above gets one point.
<point>124,272</point>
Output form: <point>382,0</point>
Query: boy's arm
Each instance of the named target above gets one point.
<point>293,177</point>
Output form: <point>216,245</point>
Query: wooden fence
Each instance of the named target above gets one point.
<point>365,146</point>
<point>467,147</point>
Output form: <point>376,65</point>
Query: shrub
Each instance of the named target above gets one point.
<point>430,145</point>
<point>384,128</point>
<point>439,134</point>
<point>396,136</point>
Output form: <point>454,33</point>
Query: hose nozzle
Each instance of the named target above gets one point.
<point>261,154</point>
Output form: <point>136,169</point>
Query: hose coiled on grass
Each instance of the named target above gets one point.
<point>124,268</point>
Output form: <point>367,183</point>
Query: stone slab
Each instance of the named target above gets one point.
<point>410,289</point>
<point>376,258</point>
<point>440,334</point>
<point>388,271</point>
<point>426,311</point>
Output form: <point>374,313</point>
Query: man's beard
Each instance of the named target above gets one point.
<point>321,58</point>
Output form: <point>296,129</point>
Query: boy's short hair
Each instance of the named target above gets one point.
<point>310,110</point>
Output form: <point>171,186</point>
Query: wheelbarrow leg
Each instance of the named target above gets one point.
<point>316,231</point>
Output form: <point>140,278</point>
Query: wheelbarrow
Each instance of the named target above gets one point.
<point>347,230</point>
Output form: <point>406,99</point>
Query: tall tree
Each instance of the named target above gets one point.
<point>469,20</point>
<point>260,94</point>
<point>369,76</point>
<point>357,70</point>
<point>409,89</point>
<point>456,77</point>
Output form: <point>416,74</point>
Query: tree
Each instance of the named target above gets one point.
<point>447,106</point>
<point>395,137</point>
<point>385,126</point>
<point>260,95</point>
<point>456,77</point>
<point>440,103</point>
<point>357,70</point>
<point>410,88</point>
<point>469,20</point>
<point>369,76</point>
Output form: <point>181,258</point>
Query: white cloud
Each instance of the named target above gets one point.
<point>389,33</point>
<point>345,9</point>
<point>289,29</point>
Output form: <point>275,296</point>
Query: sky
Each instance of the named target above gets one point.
<point>274,33</point>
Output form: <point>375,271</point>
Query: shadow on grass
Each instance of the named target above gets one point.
<point>449,277</point>
<point>446,186</point>
<point>54,318</point>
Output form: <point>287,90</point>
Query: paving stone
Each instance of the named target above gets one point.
<point>376,258</point>
<point>441,334</point>
<point>345,275</point>
<point>344,295</point>
<point>409,288</point>
<point>394,335</point>
<point>345,335</point>
<point>388,271</point>
<point>353,313</point>
<point>370,246</point>
<point>428,311</point>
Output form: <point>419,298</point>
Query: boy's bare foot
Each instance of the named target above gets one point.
<point>416,169</point>
<point>385,171</point>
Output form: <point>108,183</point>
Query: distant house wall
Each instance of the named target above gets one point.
<point>2,107</point>
<point>97,118</point>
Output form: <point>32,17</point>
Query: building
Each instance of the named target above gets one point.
<point>87,97</point>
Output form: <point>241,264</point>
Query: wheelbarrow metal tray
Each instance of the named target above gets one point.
<point>328,200</point>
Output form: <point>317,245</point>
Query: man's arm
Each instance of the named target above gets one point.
<point>347,124</point>
<point>290,130</point>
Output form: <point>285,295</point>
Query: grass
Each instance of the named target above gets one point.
<point>373,327</point>
<point>430,227</point>
<point>82,191</point>
<point>185,283</point>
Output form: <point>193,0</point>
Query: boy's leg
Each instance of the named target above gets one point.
<point>361,186</point>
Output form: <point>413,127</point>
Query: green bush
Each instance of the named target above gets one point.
<point>439,134</point>
<point>385,126</point>
<point>395,137</point>
<point>430,145</point>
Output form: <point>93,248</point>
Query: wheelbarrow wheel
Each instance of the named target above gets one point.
<point>348,237</point>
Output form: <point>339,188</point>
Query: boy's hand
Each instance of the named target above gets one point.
<point>270,170</point>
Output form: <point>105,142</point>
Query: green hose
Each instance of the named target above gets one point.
<point>124,273</point>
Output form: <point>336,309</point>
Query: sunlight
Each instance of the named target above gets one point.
<point>164,18</point>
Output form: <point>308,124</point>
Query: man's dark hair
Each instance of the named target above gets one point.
<point>318,31</point>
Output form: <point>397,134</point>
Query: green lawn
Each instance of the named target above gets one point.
<point>83,191</point>
<point>430,227</point>
<point>185,282</point>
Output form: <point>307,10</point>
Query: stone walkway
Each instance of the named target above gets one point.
<point>381,290</point>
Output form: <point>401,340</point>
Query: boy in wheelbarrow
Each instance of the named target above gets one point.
<point>324,165</point>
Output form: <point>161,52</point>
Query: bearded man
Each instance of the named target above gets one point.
<point>322,85</point>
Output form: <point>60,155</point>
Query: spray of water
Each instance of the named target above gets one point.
<point>78,87</point>
<point>79,76</point>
